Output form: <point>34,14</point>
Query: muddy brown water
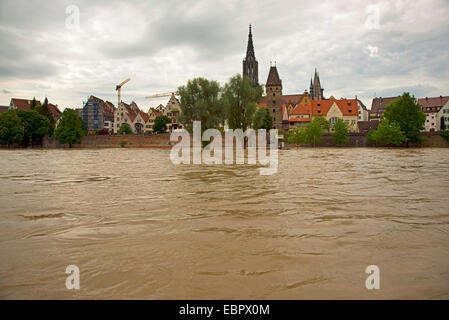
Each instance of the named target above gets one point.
<point>138,226</point>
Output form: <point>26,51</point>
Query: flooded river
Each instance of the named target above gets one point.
<point>138,226</point>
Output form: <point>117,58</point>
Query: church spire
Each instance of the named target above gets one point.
<point>250,48</point>
<point>250,65</point>
<point>316,90</point>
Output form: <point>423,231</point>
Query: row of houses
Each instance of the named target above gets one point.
<point>296,110</point>
<point>103,115</point>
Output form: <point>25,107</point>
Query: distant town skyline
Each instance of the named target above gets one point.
<point>359,48</point>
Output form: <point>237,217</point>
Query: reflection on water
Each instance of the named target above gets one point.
<point>138,226</point>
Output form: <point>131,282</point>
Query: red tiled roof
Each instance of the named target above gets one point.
<point>348,107</point>
<point>378,105</point>
<point>435,103</point>
<point>300,120</point>
<point>292,98</point>
<point>144,116</point>
<point>23,104</point>
<point>287,99</point>
<point>54,110</point>
<point>131,117</point>
<point>301,109</point>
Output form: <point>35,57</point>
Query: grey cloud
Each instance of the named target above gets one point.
<point>162,44</point>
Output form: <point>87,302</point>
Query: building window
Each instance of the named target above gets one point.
<point>353,121</point>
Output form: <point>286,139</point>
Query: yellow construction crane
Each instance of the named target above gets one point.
<point>162,95</point>
<point>118,89</point>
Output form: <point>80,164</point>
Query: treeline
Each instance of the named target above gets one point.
<point>29,127</point>
<point>313,132</point>
<point>235,104</point>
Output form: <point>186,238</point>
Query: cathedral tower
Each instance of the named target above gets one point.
<point>274,97</point>
<point>250,65</point>
<point>316,92</point>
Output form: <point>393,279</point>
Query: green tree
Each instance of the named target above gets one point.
<point>310,134</point>
<point>200,101</point>
<point>160,124</point>
<point>44,110</point>
<point>11,129</point>
<point>340,134</point>
<point>313,132</point>
<point>263,119</point>
<point>240,101</point>
<point>34,104</point>
<point>296,136</point>
<point>407,113</point>
<point>35,126</point>
<point>125,129</point>
<point>445,134</point>
<point>388,133</point>
<point>71,128</point>
<point>325,125</point>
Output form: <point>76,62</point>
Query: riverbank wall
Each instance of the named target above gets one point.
<point>115,141</point>
<point>356,140</point>
<point>430,140</point>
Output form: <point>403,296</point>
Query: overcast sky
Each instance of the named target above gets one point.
<point>162,44</point>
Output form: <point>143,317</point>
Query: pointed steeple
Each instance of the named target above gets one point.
<point>250,65</point>
<point>316,79</point>
<point>250,48</point>
<point>316,90</point>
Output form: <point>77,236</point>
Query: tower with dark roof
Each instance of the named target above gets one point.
<point>316,92</point>
<point>274,97</point>
<point>250,65</point>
